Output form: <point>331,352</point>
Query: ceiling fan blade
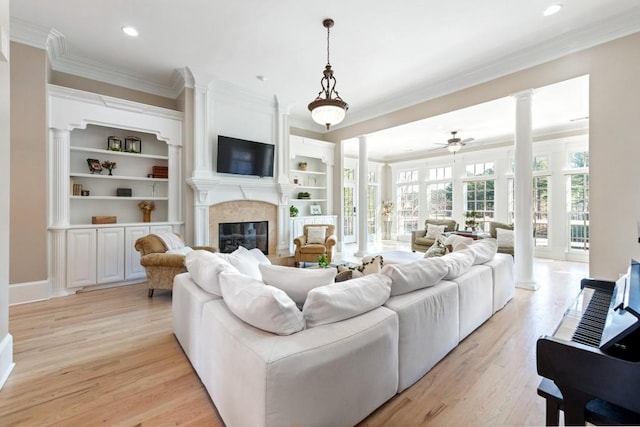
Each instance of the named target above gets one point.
<point>464,141</point>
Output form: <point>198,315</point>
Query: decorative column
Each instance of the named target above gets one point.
<point>523,184</point>
<point>59,202</point>
<point>201,143</point>
<point>362,196</point>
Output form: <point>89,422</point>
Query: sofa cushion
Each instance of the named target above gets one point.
<point>205,267</point>
<point>333,303</point>
<point>297,282</point>
<point>484,250</point>
<point>262,306</point>
<point>434,231</point>
<point>244,261</point>
<point>415,275</point>
<point>454,240</point>
<point>458,263</point>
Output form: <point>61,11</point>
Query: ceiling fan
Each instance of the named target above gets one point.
<point>454,144</point>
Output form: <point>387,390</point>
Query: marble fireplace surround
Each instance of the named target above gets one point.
<point>244,211</point>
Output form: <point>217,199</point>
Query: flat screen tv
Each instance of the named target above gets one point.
<point>242,157</point>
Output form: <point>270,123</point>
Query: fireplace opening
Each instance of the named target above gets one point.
<point>254,234</point>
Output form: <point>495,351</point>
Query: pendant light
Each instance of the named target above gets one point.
<point>328,108</point>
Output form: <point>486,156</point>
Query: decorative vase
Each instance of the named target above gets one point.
<point>146,215</point>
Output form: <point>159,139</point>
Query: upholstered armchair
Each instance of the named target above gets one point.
<point>162,267</point>
<point>505,242</point>
<point>316,239</point>
<point>419,239</point>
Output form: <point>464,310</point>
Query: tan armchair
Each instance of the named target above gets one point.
<point>418,240</point>
<point>310,252</point>
<point>161,267</point>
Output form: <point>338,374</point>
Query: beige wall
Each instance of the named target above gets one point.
<point>88,85</point>
<point>5,146</point>
<point>28,240</point>
<point>307,133</point>
<point>614,105</point>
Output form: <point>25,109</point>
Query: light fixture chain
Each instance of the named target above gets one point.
<point>328,29</point>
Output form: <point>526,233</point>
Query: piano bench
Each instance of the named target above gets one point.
<point>598,412</point>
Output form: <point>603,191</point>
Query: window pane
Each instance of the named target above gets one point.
<point>579,212</point>
<point>480,199</point>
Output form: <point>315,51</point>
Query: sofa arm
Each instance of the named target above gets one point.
<point>205,248</point>
<point>300,241</point>
<point>418,233</point>
<point>162,260</point>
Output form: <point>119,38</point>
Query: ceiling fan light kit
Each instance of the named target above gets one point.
<point>455,144</point>
<point>328,108</point>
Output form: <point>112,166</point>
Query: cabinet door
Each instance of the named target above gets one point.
<point>110,255</point>
<point>81,257</point>
<point>132,267</point>
<point>161,229</point>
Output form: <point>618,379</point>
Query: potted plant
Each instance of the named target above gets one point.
<point>323,262</point>
<point>470,221</point>
<point>304,195</point>
<point>109,165</point>
<point>293,211</point>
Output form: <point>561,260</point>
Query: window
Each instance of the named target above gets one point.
<point>372,203</point>
<point>578,211</point>
<point>440,193</point>
<point>480,197</point>
<point>480,169</point>
<point>407,200</point>
<point>541,210</point>
<point>579,160</point>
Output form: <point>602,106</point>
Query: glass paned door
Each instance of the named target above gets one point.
<point>350,223</point>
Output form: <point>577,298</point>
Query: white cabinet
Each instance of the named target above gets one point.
<point>132,267</point>
<point>109,255</point>
<point>81,257</point>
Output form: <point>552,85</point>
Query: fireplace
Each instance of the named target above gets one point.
<point>251,234</point>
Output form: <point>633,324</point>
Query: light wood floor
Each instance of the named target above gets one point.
<point>109,357</point>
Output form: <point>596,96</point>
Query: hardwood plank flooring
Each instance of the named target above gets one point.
<point>109,357</point>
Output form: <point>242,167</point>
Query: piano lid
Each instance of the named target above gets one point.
<point>625,319</point>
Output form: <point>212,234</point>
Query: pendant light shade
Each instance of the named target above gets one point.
<point>328,108</point>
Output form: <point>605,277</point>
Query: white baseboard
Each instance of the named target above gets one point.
<point>6,358</point>
<point>28,292</point>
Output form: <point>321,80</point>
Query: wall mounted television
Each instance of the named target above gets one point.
<point>242,157</point>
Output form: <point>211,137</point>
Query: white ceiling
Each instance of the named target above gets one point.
<point>386,55</point>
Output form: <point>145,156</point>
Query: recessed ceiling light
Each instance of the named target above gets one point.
<point>130,31</point>
<point>261,78</point>
<point>552,10</point>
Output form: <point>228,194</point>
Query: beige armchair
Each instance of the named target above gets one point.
<point>315,242</point>
<point>418,240</point>
<point>161,267</point>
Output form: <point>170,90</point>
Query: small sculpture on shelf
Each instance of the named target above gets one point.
<point>147,206</point>
<point>302,166</point>
<point>109,165</point>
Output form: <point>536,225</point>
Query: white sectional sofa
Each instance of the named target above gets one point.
<point>339,372</point>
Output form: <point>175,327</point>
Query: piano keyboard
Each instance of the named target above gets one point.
<point>584,321</point>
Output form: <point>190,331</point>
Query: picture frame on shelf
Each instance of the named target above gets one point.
<point>133,144</point>
<point>94,165</point>
<point>114,143</point>
<point>315,210</point>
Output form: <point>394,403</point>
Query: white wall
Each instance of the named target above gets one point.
<point>6,341</point>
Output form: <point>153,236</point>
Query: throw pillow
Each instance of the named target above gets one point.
<point>458,263</point>
<point>244,261</point>
<point>316,234</point>
<point>180,251</point>
<point>205,268</point>
<point>372,265</point>
<point>455,239</point>
<point>260,305</point>
<point>433,231</point>
<point>504,237</point>
<point>422,273</point>
<point>260,256</point>
<point>296,282</point>
<point>437,249</point>
<point>333,303</point>
<point>484,250</point>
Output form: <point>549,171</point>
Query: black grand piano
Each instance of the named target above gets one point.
<point>594,353</point>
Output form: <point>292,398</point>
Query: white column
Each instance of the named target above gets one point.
<point>60,209</point>
<point>201,143</point>
<point>523,184</point>
<point>362,196</point>
<point>201,219</point>
<point>175,178</point>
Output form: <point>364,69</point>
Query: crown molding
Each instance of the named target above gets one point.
<point>33,35</point>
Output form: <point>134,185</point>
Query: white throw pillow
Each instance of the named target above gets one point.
<point>484,250</point>
<point>297,282</point>
<point>433,231</point>
<point>504,237</point>
<point>244,261</point>
<point>260,305</point>
<point>458,263</point>
<point>260,256</point>
<point>205,268</point>
<point>180,251</point>
<point>419,274</point>
<point>454,240</point>
<point>333,303</point>
<point>316,234</point>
